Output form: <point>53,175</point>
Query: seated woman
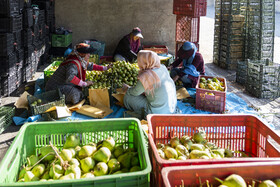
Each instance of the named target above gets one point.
<point>155,91</point>
<point>128,46</point>
<point>71,74</point>
<point>193,65</point>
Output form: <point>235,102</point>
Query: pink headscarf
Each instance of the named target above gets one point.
<point>148,60</point>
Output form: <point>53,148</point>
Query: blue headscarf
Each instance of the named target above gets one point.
<point>190,69</point>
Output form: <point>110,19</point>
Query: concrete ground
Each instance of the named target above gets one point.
<point>270,109</point>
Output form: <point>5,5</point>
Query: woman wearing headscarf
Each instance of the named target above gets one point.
<point>193,65</point>
<point>70,77</point>
<point>129,46</point>
<point>155,91</point>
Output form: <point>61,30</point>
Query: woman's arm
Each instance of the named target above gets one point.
<point>136,90</point>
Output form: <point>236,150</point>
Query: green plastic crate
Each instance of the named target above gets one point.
<point>33,136</point>
<point>61,40</point>
<point>49,99</point>
<point>6,115</point>
<point>48,70</point>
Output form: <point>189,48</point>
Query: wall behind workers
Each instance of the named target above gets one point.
<point>109,20</point>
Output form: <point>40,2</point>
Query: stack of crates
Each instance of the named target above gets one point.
<point>230,32</point>
<point>261,26</point>
<point>251,38</point>
<point>263,79</point>
<point>10,44</point>
<point>188,20</point>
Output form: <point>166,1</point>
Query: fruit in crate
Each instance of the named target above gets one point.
<point>121,72</point>
<point>53,68</point>
<point>192,147</point>
<point>211,84</point>
<point>74,161</point>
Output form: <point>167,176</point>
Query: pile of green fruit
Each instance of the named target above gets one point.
<point>121,72</point>
<point>75,161</point>
<point>236,180</point>
<point>53,68</point>
<point>37,102</point>
<point>211,84</point>
<point>195,147</point>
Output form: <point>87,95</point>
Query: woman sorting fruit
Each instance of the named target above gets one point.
<point>128,46</point>
<point>70,75</point>
<point>193,65</point>
<point>155,91</point>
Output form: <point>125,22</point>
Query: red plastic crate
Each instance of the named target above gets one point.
<point>187,29</point>
<point>194,8</point>
<point>173,176</point>
<point>212,103</point>
<point>159,49</point>
<point>246,133</point>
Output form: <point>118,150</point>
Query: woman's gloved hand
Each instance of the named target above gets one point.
<point>125,87</point>
<point>89,83</point>
<point>105,68</point>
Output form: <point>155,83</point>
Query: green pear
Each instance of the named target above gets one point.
<point>56,171</point>
<point>228,153</point>
<point>182,150</point>
<point>196,154</point>
<point>100,169</point>
<point>185,139</point>
<point>71,141</point>
<point>135,161</point>
<point>74,161</point>
<point>182,158</point>
<point>199,137</point>
<point>86,151</point>
<point>21,180</point>
<point>66,154</point>
<point>161,153</point>
<point>267,183</point>
<point>87,164</point>
<point>38,170</point>
<point>73,151</point>
<point>22,173</point>
<point>67,177</point>
<point>174,142</point>
<point>170,153</point>
<point>33,159</point>
<point>87,175</point>
<point>45,175</point>
<point>114,165</point>
<point>220,152</point>
<point>160,146</point>
<point>277,182</point>
<point>118,151</point>
<point>233,180</point>
<point>109,143</point>
<point>197,147</point>
<point>46,150</point>
<point>29,176</point>
<point>102,155</point>
<point>75,170</point>
<point>188,144</point>
<point>135,168</point>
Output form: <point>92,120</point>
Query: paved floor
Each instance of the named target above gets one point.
<point>270,109</point>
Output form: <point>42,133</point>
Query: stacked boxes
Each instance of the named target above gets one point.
<point>263,79</point>
<point>188,20</point>
<point>24,39</point>
<point>252,22</point>
<point>230,32</point>
<point>261,26</point>
<point>10,44</point>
